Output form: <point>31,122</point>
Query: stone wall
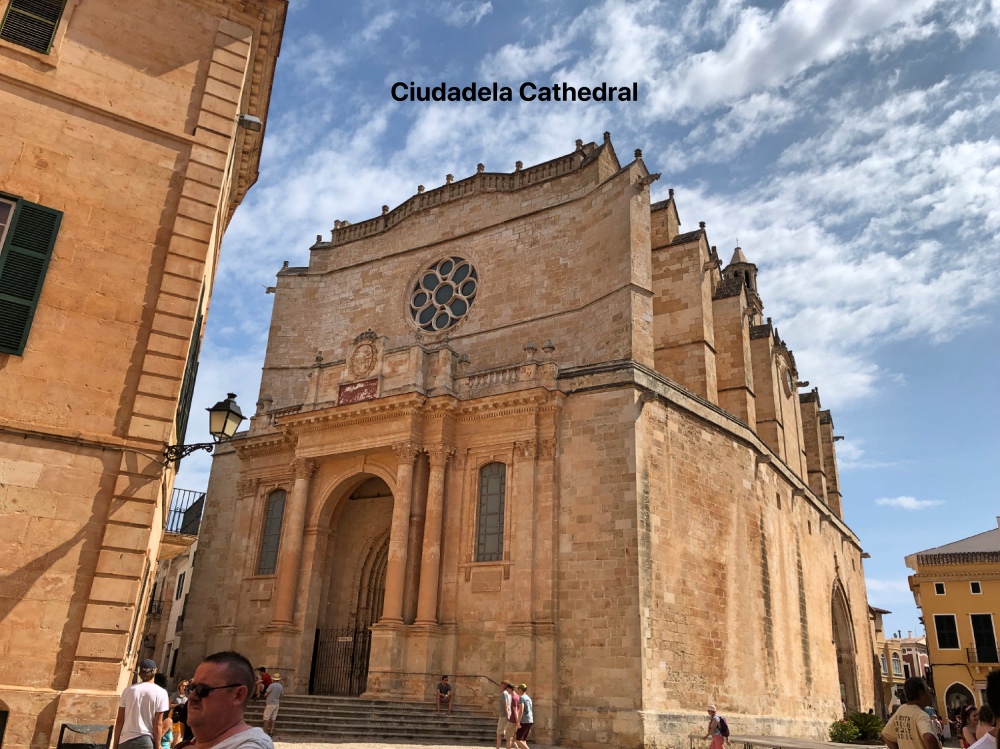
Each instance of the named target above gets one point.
<point>130,133</point>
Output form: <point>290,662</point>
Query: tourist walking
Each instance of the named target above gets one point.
<point>272,698</point>
<point>503,711</point>
<point>141,710</point>
<point>910,727</point>
<point>217,696</point>
<point>444,694</point>
<point>718,729</point>
<point>515,716</point>
<point>527,717</point>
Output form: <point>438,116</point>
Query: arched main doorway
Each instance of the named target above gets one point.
<point>847,653</point>
<point>958,696</point>
<point>353,589</point>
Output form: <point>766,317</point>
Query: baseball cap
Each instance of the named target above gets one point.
<point>148,665</point>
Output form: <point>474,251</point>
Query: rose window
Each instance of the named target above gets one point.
<point>443,294</point>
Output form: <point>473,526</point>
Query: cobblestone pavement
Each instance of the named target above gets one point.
<point>321,744</point>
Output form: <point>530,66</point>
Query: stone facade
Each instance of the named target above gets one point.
<point>126,126</point>
<point>671,524</point>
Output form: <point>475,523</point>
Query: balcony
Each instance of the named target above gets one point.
<point>184,516</point>
<point>182,523</point>
<point>155,608</point>
<point>983,655</point>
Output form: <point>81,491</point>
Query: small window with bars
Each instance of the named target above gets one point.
<point>489,532</point>
<point>267,563</point>
<point>32,23</point>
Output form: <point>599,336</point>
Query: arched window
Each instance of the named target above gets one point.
<point>489,534</point>
<point>268,561</point>
<point>897,665</point>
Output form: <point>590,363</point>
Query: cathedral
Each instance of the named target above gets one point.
<point>522,427</point>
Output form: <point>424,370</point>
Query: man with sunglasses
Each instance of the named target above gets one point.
<point>217,695</point>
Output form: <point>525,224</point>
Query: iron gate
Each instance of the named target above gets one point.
<point>340,661</point>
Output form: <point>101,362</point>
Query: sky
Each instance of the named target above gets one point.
<point>851,147</point>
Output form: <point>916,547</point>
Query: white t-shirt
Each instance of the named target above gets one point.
<point>986,742</point>
<point>255,738</point>
<point>142,702</point>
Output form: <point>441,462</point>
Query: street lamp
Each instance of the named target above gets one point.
<point>224,418</point>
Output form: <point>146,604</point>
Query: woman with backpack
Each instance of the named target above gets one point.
<point>718,729</point>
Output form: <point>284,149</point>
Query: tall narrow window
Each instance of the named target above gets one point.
<point>947,631</point>
<point>897,665</point>
<point>27,236</point>
<point>180,586</point>
<point>489,534</point>
<point>268,561</point>
<point>885,667</point>
<point>32,23</point>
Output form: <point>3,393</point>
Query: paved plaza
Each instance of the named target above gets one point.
<point>321,744</point>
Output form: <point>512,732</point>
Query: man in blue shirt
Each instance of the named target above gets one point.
<point>527,718</point>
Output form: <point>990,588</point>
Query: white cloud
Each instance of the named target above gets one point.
<point>464,13</point>
<point>909,503</point>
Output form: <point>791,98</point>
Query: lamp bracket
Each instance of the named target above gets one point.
<point>174,453</point>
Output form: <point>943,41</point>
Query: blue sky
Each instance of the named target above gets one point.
<point>851,146</point>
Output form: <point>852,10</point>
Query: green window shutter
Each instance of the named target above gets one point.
<point>23,261</point>
<point>32,23</point>
<point>190,375</point>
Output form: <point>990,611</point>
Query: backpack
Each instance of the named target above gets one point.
<point>723,727</point>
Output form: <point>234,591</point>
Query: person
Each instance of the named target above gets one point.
<point>992,693</point>
<point>527,718</point>
<point>141,710</point>
<point>272,698</point>
<point>715,728</point>
<point>262,683</point>
<point>444,694</point>
<point>167,736</point>
<point>910,727</point>
<point>503,709</point>
<point>987,722</point>
<point>217,696</point>
<point>970,721</point>
<point>177,700</point>
<point>179,697</point>
<point>514,717</point>
<point>182,731</point>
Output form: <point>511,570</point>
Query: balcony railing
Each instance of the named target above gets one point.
<point>184,516</point>
<point>179,624</point>
<point>983,655</point>
<point>155,608</point>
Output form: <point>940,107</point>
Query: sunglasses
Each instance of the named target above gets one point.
<point>201,691</point>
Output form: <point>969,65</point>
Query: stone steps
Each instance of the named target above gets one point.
<point>353,717</point>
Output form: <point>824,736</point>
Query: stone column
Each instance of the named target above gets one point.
<point>395,572</point>
<point>430,561</point>
<point>292,529</point>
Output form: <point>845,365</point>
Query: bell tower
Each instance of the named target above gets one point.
<point>746,272</point>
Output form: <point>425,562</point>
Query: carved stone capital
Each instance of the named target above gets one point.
<point>525,449</point>
<point>439,454</point>
<point>303,468</point>
<point>547,449</point>
<point>405,452</point>
<point>247,487</point>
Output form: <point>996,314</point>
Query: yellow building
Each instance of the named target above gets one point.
<point>129,133</point>
<point>957,587</point>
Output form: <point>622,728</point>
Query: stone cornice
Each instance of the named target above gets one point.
<point>264,444</point>
<point>959,558</point>
<point>628,372</point>
<point>381,409</point>
<point>503,404</point>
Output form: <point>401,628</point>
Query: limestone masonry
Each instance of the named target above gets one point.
<point>121,163</point>
<point>522,427</point>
